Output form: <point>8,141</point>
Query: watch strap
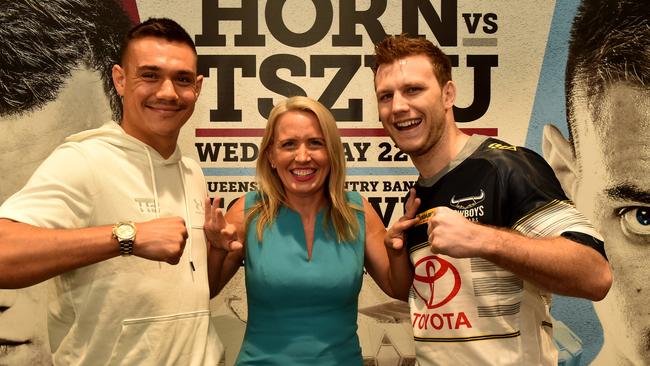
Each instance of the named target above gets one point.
<point>126,247</point>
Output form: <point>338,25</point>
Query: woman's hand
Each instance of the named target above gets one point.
<point>220,234</point>
<point>394,238</point>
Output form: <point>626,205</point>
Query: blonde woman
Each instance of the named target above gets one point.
<point>305,242</point>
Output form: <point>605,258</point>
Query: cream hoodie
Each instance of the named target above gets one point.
<point>125,310</point>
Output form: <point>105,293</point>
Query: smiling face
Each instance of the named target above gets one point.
<point>613,192</point>
<point>299,155</point>
<point>412,106</point>
<point>159,85</point>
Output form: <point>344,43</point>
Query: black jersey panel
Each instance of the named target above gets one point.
<point>469,189</point>
<point>528,182</point>
<point>497,184</point>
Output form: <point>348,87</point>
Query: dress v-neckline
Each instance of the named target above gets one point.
<point>310,253</point>
<point>317,221</point>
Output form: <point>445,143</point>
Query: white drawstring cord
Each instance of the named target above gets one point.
<point>155,190</point>
<point>188,217</point>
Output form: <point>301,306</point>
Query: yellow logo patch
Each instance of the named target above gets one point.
<point>496,145</point>
<point>424,216</point>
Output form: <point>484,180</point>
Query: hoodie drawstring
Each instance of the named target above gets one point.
<point>155,190</point>
<point>153,182</point>
<point>187,212</point>
<point>188,217</point>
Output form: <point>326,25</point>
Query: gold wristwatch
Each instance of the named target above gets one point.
<point>124,232</point>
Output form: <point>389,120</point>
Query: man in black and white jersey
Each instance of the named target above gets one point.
<point>494,236</point>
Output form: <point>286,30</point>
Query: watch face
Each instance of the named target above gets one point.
<point>125,231</point>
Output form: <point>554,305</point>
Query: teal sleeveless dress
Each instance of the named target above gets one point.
<point>301,311</point>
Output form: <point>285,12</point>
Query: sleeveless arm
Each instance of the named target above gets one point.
<point>390,268</point>
<point>223,265</point>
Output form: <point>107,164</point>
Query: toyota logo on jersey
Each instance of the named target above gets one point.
<point>436,281</point>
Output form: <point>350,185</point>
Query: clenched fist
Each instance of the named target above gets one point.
<point>450,233</point>
<point>161,239</point>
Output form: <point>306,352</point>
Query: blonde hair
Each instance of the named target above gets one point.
<point>340,213</point>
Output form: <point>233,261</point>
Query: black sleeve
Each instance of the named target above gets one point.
<point>528,181</point>
<point>587,240</point>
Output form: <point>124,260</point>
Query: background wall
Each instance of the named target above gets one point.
<point>509,67</point>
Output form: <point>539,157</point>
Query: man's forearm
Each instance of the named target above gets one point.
<point>557,264</point>
<point>29,254</point>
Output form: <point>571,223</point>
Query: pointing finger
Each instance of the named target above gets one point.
<point>412,204</point>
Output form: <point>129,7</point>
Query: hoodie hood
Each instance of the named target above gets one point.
<point>112,133</point>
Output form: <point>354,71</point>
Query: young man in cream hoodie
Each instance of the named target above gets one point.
<point>116,215</point>
<point>47,67</point>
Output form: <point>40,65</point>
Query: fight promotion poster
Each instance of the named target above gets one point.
<point>509,62</point>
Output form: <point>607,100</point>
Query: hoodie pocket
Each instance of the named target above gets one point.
<point>178,339</point>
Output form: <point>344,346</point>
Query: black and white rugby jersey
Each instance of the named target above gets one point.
<point>470,311</point>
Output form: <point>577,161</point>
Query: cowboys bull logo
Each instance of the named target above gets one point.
<point>464,203</point>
